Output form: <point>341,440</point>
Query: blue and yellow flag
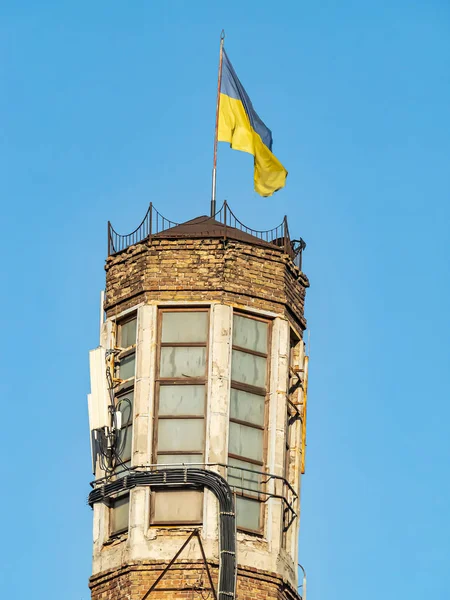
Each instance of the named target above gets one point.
<point>243,129</point>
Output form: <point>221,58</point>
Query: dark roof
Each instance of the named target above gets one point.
<point>208,227</point>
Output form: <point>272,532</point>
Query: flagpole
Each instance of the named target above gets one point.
<point>219,81</point>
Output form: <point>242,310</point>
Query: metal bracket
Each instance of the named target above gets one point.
<point>195,534</point>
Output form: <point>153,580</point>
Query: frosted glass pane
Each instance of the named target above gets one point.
<point>248,513</point>
<point>124,404</point>
<point>251,334</point>
<point>127,366</point>
<point>182,400</point>
<point>178,459</point>
<point>180,506</point>
<point>246,441</point>
<point>127,333</point>
<point>180,434</point>
<point>248,368</point>
<point>119,514</point>
<point>244,479</point>
<point>182,327</point>
<point>183,362</point>
<point>125,437</point>
<point>247,407</point>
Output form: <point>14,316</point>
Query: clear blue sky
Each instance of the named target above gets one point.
<point>106,106</point>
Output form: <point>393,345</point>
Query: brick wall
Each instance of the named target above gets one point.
<point>184,580</point>
<point>237,273</point>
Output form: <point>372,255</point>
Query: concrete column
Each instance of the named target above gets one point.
<point>143,426</point>
<point>279,364</point>
<point>139,522</point>
<point>296,449</point>
<point>144,386</point>
<point>218,402</point>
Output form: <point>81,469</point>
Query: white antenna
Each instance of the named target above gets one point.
<point>99,396</point>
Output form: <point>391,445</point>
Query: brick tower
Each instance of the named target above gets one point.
<point>198,412</point>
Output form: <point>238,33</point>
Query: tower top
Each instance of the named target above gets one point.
<point>201,373</point>
<point>224,224</point>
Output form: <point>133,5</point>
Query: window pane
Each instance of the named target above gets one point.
<point>249,333</point>
<point>127,366</point>
<point>127,333</point>
<point>246,441</point>
<point>178,459</point>
<point>248,513</point>
<point>124,447</point>
<point>183,362</point>
<point>247,407</point>
<point>119,514</point>
<point>124,403</point>
<point>179,327</point>
<point>244,479</point>
<point>182,506</point>
<point>180,434</point>
<point>247,368</point>
<point>181,400</point>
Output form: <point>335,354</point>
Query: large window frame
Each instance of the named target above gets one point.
<point>247,480</point>
<point>161,381</point>
<point>124,402</point>
<point>116,514</point>
<point>125,387</point>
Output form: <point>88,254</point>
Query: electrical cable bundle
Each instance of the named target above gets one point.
<point>110,442</point>
<point>193,478</point>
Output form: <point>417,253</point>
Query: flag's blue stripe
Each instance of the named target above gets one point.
<point>232,87</point>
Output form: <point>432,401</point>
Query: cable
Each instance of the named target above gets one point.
<point>193,479</point>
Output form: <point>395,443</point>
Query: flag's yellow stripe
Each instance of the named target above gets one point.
<point>235,128</point>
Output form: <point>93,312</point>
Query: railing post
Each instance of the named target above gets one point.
<point>151,223</point>
<point>285,234</point>
<point>225,207</point>
<point>109,237</point>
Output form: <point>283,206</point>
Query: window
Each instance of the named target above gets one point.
<point>180,400</point>
<point>126,344</point>
<point>119,514</point>
<point>177,506</point>
<point>124,404</point>
<point>249,382</point>
<point>125,367</point>
<point>124,376</point>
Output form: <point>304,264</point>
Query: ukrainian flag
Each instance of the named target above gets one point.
<point>240,126</point>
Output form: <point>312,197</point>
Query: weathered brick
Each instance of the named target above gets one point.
<point>241,274</point>
<point>186,579</point>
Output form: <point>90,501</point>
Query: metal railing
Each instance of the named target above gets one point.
<point>155,223</point>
